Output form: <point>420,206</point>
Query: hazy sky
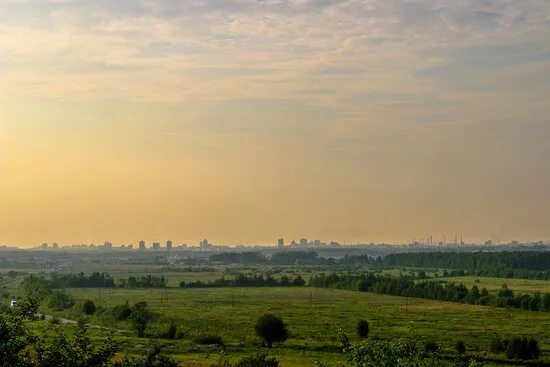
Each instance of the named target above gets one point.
<point>246,120</point>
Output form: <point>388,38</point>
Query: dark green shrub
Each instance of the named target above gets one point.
<point>258,360</point>
<point>363,329</point>
<point>209,340</point>
<point>460,347</point>
<point>88,307</point>
<point>122,312</point>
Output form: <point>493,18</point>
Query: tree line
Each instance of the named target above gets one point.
<point>526,264</point>
<point>33,283</point>
<point>248,280</point>
<point>406,286</point>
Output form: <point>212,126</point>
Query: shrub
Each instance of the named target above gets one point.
<point>209,340</point>
<point>497,345</point>
<point>522,348</point>
<point>122,312</point>
<point>363,329</point>
<point>88,307</point>
<point>460,347</point>
<point>258,360</point>
<point>172,331</point>
<point>59,300</point>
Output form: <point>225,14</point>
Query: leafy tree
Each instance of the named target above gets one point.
<point>141,316</point>
<point>271,329</point>
<point>363,329</point>
<point>88,307</point>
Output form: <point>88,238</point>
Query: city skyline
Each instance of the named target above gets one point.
<point>246,121</point>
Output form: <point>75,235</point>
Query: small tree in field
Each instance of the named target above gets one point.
<point>272,329</point>
<point>363,329</point>
<point>140,317</point>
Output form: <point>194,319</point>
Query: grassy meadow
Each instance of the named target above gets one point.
<point>315,315</point>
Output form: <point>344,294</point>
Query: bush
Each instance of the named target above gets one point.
<point>460,347</point>
<point>122,312</point>
<point>209,340</point>
<point>522,348</point>
<point>88,307</point>
<point>363,329</point>
<point>172,331</point>
<point>59,300</point>
<point>497,346</point>
<point>258,360</point>
<point>431,346</point>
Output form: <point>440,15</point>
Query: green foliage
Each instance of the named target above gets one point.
<point>60,300</point>
<point>272,329</point>
<point>460,347</point>
<point>247,280</point>
<point>20,348</point>
<point>258,360</point>
<point>407,286</point>
<point>363,329</point>
<point>522,348</point>
<point>403,352</point>
<point>88,307</point>
<point>122,312</point>
<point>153,359</point>
<point>141,316</point>
<point>209,340</point>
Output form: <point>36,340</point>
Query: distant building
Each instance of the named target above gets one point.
<point>156,246</point>
<point>316,243</point>
<point>44,246</point>
<point>142,245</point>
<point>489,243</point>
<point>205,244</point>
<point>303,242</point>
<point>55,246</point>
<point>169,245</point>
<point>281,243</point>
<point>108,245</point>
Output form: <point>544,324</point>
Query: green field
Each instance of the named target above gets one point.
<point>314,315</point>
<point>231,313</point>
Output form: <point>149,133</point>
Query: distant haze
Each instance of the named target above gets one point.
<point>245,121</point>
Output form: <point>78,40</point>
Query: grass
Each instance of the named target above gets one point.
<point>232,312</point>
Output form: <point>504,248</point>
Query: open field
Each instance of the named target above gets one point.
<point>231,313</point>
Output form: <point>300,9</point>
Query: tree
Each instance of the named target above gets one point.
<point>88,307</point>
<point>140,317</point>
<point>271,329</point>
<point>363,329</point>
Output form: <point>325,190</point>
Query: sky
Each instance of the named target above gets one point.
<point>242,121</point>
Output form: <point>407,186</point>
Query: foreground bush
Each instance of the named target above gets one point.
<point>21,348</point>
